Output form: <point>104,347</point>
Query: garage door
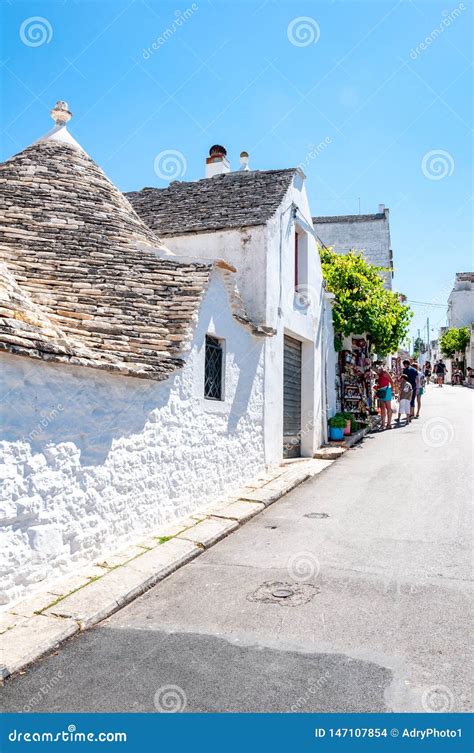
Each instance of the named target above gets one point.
<point>291,398</point>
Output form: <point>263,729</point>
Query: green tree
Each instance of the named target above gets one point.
<point>419,347</point>
<point>362,304</point>
<point>454,340</point>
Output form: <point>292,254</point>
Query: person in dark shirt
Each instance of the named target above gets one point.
<point>412,377</point>
<point>427,372</point>
<point>440,371</point>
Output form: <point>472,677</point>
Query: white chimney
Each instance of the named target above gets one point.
<point>381,208</point>
<point>244,161</point>
<point>217,162</point>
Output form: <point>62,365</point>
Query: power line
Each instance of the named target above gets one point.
<point>428,303</point>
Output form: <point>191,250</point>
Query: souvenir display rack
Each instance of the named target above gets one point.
<point>356,379</point>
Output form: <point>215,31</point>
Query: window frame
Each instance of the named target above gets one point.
<point>217,343</point>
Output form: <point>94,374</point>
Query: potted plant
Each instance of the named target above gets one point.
<point>337,424</point>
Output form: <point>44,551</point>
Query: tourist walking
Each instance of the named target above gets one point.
<point>427,373</point>
<point>420,388</point>
<point>440,371</point>
<point>385,387</point>
<point>412,377</point>
<point>404,404</point>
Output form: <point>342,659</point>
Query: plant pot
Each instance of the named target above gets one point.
<point>347,430</point>
<point>336,433</point>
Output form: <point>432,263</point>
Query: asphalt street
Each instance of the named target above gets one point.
<point>349,594</point>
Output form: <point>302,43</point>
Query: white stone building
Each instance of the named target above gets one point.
<point>368,233</point>
<point>138,386</point>
<point>461,310</point>
<point>259,221</point>
<point>461,301</point>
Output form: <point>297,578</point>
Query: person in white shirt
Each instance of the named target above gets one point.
<point>404,399</point>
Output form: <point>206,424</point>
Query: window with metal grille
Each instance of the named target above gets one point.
<point>213,369</point>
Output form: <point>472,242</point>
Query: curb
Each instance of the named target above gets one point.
<point>35,627</point>
<point>334,450</point>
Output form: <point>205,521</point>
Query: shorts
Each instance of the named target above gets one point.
<point>404,407</point>
<point>420,391</point>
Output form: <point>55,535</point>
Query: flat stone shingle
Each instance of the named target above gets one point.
<point>81,281</point>
<point>231,200</point>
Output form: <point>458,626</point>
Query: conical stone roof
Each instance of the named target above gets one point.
<point>95,276</point>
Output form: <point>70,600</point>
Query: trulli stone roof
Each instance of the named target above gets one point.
<point>231,200</point>
<point>82,279</point>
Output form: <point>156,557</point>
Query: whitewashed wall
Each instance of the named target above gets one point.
<point>288,312</point>
<point>461,307</point>
<point>90,461</point>
<point>264,259</point>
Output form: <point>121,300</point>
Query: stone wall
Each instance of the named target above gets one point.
<point>90,461</point>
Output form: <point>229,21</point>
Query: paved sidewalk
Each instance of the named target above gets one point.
<point>37,625</point>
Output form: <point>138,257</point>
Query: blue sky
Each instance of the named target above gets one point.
<point>393,120</point>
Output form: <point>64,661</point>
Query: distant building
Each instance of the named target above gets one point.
<point>369,233</point>
<point>461,301</point>
<point>460,314</point>
<point>461,309</point>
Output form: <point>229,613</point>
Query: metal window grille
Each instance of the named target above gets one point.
<point>213,369</point>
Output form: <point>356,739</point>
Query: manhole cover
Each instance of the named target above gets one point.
<point>316,515</point>
<point>282,593</point>
<point>285,594</point>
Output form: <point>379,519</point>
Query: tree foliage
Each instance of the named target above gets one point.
<point>418,347</point>
<point>362,304</point>
<point>455,340</point>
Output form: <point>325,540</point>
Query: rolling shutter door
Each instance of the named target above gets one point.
<point>291,398</point>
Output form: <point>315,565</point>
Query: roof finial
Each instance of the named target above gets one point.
<point>60,113</point>
<point>244,161</point>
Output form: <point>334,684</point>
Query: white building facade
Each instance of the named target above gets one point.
<point>461,311</point>
<point>279,277</point>
<point>138,386</point>
<point>131,384</point>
